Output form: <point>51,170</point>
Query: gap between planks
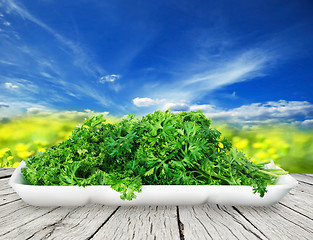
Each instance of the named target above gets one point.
<point>6,172</point>
<point>305,178</point>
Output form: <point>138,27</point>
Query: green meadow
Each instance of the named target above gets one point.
<point>289,146</point>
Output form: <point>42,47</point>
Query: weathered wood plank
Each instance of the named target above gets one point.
<point>64,223</point>
<point>292,218</point>
<point>216,222</point>
<point>16,214</point>
<point>10,208</point>
<point>41,224</point>
<point>3,169</point>
<point>146,222</point>
<point>303,189</point>
<point>4,184</point>
<point>6,172</point>
<point>8,198</point>
<point>7,169</point>
<point>278,222</point>
<point>299,201</point>
<point>7,193</point>
<point>308,178</point>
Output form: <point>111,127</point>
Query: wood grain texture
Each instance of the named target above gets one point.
<point>7,194</point>
<point>307,178</point>
<point>291,218</point>
<point>9,198</point>
<point>278,222</point>
<point>63,223</point>
<point>146,222</point>
<point>4,184</point>
<point>300,199</point>
<point>6,172</point>
<point>17,214</point>
<point>216,222</point>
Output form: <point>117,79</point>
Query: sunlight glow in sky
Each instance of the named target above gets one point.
<point>244,61</point>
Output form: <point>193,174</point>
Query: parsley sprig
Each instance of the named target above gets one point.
<point>161,148</point>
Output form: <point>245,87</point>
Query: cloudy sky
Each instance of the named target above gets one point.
<point>248,61</point>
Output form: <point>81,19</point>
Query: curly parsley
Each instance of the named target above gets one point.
<point>161,148</point>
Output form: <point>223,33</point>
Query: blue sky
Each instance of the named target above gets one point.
<point>243,61</point>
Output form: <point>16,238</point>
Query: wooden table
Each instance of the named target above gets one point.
<point>292,218</point>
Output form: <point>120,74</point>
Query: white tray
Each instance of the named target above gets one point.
<point>151,194</point>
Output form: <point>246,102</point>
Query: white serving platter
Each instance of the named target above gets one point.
<point>151,194</point>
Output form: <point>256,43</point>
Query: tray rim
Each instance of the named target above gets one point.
<point>235,195</point>
<point>17,173</point>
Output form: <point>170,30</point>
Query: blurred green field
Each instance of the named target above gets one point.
<point>287,145</point>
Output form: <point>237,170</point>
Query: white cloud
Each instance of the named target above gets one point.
<point>144,102</point>
<point>4,105</point>
<point>18,108</point>
<point>21,86</point>
<point>7,62</point>
<point>241,68</point>
<point>6,23</point>
<point>38,110</point>
<point>193,84</point>
<point>163,104</point>
<point>41,110</point>
<point>308,123</point>
<point>176,107</point>
<point>19,90</point>
<point>203,107</point>
<point>47,75</point>
<point>262,112</point>
<point>10,85</point>
<point>112,80</point>
<point>109,78</point>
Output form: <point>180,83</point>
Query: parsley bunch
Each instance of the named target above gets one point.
<point>161,148</point>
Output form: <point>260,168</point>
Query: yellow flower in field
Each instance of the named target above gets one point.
<point>21,147</point>
<point>272,150</point>
<point>15,164</point>
<point>41,149</point>
<point>5,152</point>
<point>10,158</point>
<point>275,157</point>
<point>240,143</point>
<point>261,155</point>
<point>258,145</point>
<point>24,154</point>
